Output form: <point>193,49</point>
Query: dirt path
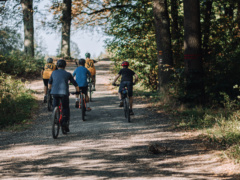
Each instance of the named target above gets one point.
<point>105,146</point>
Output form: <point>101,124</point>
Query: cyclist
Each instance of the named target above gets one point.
<point>59,88</point>
<point>46,73</point>
<point>81,74</point>
<point>126,81</point>
<point>90,66</point>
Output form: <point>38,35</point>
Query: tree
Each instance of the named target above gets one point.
<point>206,26</point>
<point>163,39</point>
<point>27,6</point>
<point>66,27</point>
<point>192,51</point>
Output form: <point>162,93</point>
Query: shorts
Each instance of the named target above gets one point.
<point>84,90</point>
<point>129,86</point>
<point>45,82</point>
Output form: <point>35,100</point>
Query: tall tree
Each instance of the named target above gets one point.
<point>163,40</point>
<point>27,6</point>
<point>66,27</point>
<point>206,26</point>
<point>192,51</point>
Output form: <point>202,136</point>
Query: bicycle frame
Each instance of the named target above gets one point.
<point>60,110</point>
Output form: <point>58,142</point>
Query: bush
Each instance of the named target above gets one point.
<point>19,64</point>
<point>16,101</point>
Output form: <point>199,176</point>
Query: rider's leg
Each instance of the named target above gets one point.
<point>65,109</point>
<point>94,81</point>
<point>85,91</point>
<point>131,102</point>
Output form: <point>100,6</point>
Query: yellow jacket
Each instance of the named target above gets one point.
<point>90,66</point>
<point>48,69</point>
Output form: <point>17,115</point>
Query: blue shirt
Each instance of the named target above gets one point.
<point>81,76</point>
<point>59,80</point>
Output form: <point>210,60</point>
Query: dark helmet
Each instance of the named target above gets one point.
<point>81,62</point>
<point>61,63</point>
<point>49,60</point>
<point>87,55</point>
<point>125,63</point>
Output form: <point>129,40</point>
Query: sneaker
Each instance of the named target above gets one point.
<point>121,104</point>
<point>93,88</point>
<point>77,104</point>
<point>45,99</point>
<point>88,109</point>
<point>131,112</point>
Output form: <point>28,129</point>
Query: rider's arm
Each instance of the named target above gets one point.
<point>77,88</point>
<point>74,73</point>
<point>116,78</point>
<point>74,83</point>
<point>50,83</point>
<point>88,73</point>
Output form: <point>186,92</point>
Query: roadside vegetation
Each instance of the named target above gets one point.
<point>186,54</point>
<point>16,102</point>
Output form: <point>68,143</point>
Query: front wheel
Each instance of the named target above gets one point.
<point>55,123</point>
<point>50,102</point>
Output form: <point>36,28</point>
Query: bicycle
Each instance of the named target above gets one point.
<point>126,105</point>
<point>57,121</point>
<point>49,101</point>
<point>90,85</point>
<point>82,103</point>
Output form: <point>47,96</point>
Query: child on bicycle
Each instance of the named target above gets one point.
<point>82,74</point>
<point>46,73</point>
<point>126,81</point>
<point>59,88</point>
<point>90,66</point>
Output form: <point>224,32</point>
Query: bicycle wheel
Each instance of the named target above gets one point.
<point>90,93</point>
<point>82,107</point>
<point>126,109</point>
<point>50,102</point>
<point>55,123</point>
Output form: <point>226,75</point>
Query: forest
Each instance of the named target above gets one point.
<point>185,52</point>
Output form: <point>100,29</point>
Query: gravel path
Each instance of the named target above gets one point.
<point>105,146</point>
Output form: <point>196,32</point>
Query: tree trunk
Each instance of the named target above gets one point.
<point>163,39</point>
<point>66,27</point>
<point>192,52</point>
<point>27,6</point>
<point>174,13</point>
<point>207,24</point>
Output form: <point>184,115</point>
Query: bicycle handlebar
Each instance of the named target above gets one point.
<point>119,84</point>
<point>75,93</point>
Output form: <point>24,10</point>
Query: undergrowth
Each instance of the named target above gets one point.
<point>16,102</point>
<point>220,126</point>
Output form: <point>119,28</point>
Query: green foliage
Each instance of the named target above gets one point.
<point>21,65</point>
<point>10,40</point>
<point>16,101</point>
<point>134,41</point>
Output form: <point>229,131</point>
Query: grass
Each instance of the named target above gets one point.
<point>220,127</point>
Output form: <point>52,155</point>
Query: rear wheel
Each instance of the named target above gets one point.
<point>126,109</point>
<point>90,93</point>
<point>83,107</point>
<point>55,123</point>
